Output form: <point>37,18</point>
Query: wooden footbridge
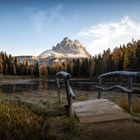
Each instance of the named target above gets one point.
<point>97,110</point>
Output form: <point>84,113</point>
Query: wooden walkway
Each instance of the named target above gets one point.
<point>99,110</point>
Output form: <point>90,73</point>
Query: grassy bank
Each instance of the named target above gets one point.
<point>39,116</point>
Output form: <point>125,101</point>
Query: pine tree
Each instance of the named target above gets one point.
<point>25,67</point>
<point>106,61</point>
<point>92,67</point>
<point>99,66</point>
<point>43,71</point>
<point>138,55</point>
<point>17,65</point>
<point>126,60</point>
<point>1,68</point>
<point>36,69</point>
<point>1,65</point>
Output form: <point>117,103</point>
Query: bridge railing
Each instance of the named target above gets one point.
<point>129,90</point>
<point>70,95</point>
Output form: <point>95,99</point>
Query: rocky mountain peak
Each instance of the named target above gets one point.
<point>66,39</point>
<point>67,46</point>
<point>77,43</point>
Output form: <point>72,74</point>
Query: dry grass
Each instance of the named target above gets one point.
<point>41,117</point>
<point>135,107</point>
<point>20,122</point>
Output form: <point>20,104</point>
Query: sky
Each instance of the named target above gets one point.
<point>29,27</point>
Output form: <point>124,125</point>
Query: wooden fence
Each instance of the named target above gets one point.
<point>70,95</point>
<point>129,90</point>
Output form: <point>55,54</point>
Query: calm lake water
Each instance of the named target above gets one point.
<point>19,86</point>
<point>25,86</point>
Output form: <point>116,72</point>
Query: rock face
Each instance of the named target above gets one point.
<point>67,48</point>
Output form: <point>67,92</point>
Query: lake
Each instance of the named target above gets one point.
<point>19,86</point>
<point>26,85</point>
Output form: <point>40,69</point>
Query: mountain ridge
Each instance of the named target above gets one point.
<point>67,48</point>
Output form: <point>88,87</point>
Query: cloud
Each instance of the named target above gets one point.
<point>109,35</point>
<point>41,18</point>
<point>55,13</point>
<point>38,19</point>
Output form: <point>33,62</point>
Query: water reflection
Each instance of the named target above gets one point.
<point>30,86</point>
<point>25,86</point>
<point>39,85</point>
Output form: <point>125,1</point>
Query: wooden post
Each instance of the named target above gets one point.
<point>69,98</point>
<point>99,90</point>
<point>69,92</point>
<point>129,94</point>
<point>58,90</point>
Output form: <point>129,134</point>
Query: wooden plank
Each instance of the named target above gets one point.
<point>98,110</point>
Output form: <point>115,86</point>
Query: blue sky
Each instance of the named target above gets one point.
<point>28,27</point>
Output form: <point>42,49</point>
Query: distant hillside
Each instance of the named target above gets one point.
<point>30,59</point>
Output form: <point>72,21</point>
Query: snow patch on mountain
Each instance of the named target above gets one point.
<point>50,53</point>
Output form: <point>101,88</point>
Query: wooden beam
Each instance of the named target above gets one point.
<point>119,73</point>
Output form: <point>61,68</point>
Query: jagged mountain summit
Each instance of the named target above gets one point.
<point>67,49</point>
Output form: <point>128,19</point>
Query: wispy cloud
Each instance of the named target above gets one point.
<point>38,19</point>
<point>42,18</point>
<point>55,13</point>
<point>110,35</point>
